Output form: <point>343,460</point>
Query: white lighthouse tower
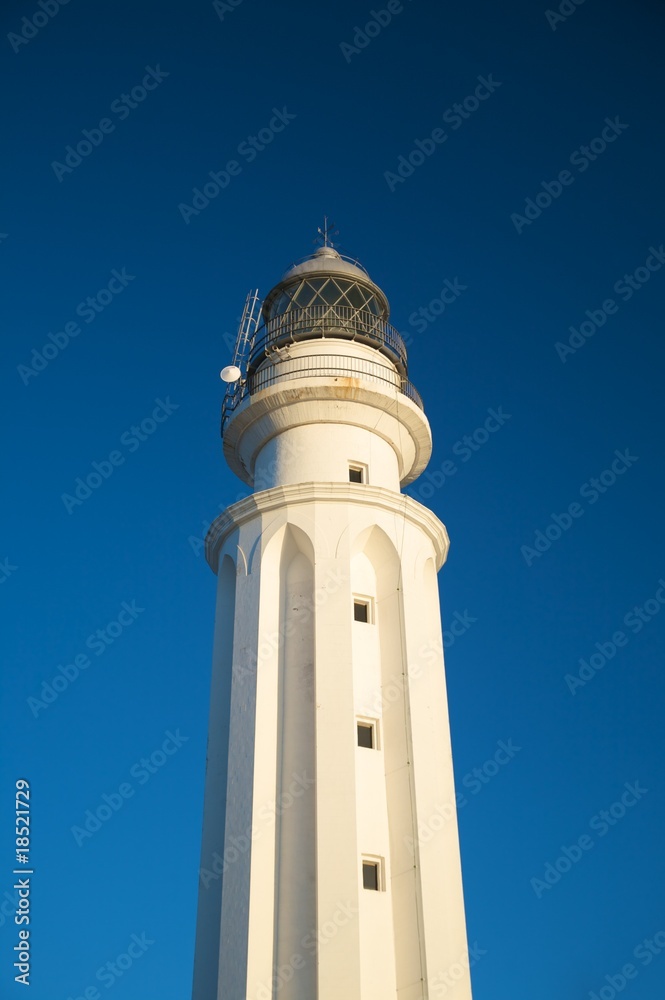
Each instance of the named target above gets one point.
<point>330,866</point>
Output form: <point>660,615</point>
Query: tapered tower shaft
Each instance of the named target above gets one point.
<point>329,747</point>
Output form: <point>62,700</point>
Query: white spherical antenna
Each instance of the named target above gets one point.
<point>230,374</point>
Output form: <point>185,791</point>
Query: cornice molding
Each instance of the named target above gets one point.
<point>303,493</point>
<point>384,410</point>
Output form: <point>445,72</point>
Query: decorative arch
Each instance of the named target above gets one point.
<point>295,875</point>
<point>375,558</point>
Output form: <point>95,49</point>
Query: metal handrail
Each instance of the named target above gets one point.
<point>271,375</point>
<point>329,321</point>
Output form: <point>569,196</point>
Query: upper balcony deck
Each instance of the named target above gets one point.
<point>328,321</point>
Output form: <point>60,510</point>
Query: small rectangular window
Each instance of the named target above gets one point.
<point>366,735</point>
<point>368,731</point>
<point>371,875</point>
<point>357,473</point>
<point>361,611</point>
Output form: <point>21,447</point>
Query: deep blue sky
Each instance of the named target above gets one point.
<point>162,337</point>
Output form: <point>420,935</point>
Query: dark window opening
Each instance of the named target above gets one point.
<point>361,611</point>
<point>355,475</point>
<point>365,735</point>
<point>370,875</point>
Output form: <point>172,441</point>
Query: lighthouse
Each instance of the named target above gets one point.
<point>330,865</point>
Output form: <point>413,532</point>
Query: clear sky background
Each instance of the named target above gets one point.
<point>163,336</point>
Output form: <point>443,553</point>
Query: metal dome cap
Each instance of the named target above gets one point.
<point>326,262</point>
<point>326,259</point>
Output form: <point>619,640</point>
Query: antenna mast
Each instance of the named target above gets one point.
<point>325,232</point>
<point>249,322</point>
<point>234,374</point>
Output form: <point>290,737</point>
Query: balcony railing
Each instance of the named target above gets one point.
<point>315,366</point>
<point>340,322</point>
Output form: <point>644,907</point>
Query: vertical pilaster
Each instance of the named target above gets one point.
<point>338,859</point>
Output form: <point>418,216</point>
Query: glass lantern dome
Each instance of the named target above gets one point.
<point>327,295</point>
